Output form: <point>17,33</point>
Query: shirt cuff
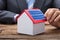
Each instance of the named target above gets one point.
<point>15,17</point>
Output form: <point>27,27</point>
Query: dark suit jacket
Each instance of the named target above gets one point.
<point>9,8</point>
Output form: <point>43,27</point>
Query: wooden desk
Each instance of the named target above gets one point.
<point>9,32</point>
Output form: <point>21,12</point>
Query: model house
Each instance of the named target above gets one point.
<point>31,22</point>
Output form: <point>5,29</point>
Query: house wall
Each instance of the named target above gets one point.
<point>24,24</point>
<point>38,28</point>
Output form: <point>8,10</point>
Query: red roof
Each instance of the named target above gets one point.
<point>30,16</point>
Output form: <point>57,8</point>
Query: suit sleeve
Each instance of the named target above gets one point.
<point>56,4</point>
<point>6,17</point>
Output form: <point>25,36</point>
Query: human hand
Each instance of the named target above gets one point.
<point>53,16</point>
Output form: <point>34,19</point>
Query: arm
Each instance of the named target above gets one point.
<point>6,16</point>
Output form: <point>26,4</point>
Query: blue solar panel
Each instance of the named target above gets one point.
<point>37,14</point>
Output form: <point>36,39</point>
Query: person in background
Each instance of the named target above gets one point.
<point>10,9</point>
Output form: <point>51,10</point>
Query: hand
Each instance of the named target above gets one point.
<point>53,16</point>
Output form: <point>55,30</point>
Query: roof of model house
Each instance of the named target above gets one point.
<point>36,15</point>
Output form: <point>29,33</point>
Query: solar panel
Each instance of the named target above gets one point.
<point>37,14</point>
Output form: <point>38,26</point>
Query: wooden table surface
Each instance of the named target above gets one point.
<point>9,32</point>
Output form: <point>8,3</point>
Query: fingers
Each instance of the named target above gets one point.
<point>53,17</point>
<point>50,14</point>
<point>57,18</point>
<point>46,13</point>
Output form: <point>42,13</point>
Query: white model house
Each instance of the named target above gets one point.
<point>31,22</point>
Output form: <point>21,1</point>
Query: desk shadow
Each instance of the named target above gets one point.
<point>31,35</point>
<point>53,31</point>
